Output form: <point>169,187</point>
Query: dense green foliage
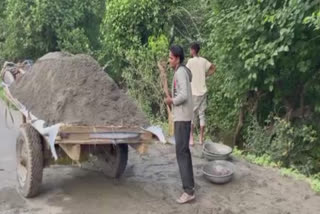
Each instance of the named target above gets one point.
<point>126,27</point>
<point>31,28</point>
<point>265,95</point>
<point>269,61</point>
<point>142,77</point>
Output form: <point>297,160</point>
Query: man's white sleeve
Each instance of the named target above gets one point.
<point>208,64</point>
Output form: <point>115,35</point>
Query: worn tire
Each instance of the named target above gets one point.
<point>112,159</point>
<point>29,161</point>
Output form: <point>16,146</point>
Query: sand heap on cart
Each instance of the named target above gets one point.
<point>74,89</point>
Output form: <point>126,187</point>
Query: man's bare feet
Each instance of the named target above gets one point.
<point>200,140</point>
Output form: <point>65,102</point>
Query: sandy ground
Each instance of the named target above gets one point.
<point>149,186</point>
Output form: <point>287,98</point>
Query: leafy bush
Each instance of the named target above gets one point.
<point>296,146</point>
<point>258,138</point>
<point>290,145</point>
<point>142,76</point>
<point>222,110</point>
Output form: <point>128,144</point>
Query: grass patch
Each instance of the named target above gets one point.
<point>265,160</point>
<point>313,180</point>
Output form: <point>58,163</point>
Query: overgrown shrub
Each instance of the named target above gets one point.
<point>294,145</point>
<point>142,75</point>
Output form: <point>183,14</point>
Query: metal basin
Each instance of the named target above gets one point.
<point>217,148</point>
<point>211,157</point>
<point>216,151</point>
<point>219,171</point>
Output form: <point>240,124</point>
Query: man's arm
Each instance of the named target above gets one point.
<point>211,70</point>
<point>182,86</point>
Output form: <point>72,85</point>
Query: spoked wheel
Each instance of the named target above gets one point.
<point>112,159</point>
<point>29,161</point>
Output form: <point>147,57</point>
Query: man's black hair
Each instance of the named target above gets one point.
<point>177,51</point>
<point>195,46</point>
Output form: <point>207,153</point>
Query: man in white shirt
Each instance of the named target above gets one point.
<point>200,68</point>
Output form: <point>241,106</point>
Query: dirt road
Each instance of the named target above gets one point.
<point>149,186</point>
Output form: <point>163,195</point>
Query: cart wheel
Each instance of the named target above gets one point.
<point>29,161</point>
<point>112,159</point>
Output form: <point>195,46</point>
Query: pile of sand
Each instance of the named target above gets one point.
<point>74,89</point>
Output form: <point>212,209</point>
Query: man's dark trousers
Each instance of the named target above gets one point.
<point>182,136</point>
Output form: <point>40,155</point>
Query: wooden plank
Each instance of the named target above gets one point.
<point>97,129</point>
<point>87,141</point>
<point>73,151</point>
<point>101,141</point>
<point>82,137</point>
<point>73,136</point>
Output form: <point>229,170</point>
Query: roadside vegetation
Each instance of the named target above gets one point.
<point>266,161</point>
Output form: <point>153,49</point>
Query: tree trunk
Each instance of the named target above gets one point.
<point>236,138</point>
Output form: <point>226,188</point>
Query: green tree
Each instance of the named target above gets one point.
<point>267,58</point>
<point>128,25</point>
<point>34,27</point>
